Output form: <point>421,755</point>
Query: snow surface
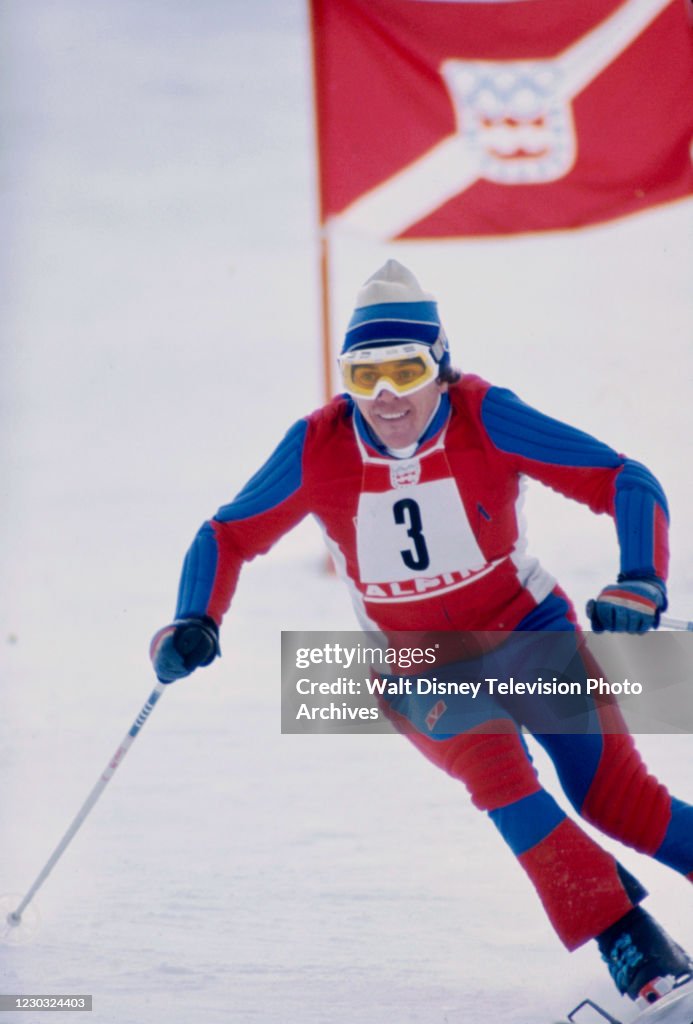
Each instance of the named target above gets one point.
<point>160,318</point>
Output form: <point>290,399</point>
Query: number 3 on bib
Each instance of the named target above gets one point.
<point>407,513</point>
<point>419,530</point>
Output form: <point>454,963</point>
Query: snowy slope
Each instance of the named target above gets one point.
<point>160,332</point>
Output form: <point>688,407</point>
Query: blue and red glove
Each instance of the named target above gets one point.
<point>629,606</point>
<point>178,649</point>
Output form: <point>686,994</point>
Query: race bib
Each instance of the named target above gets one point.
<point>415,531</point>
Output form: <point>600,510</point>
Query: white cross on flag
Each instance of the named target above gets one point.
<point>440,118</point>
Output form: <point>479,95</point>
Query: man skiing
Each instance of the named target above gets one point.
<point>415,476</point>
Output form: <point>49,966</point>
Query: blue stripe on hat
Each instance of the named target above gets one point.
<point>396,311</point>
<point>382,332</point>
<point>391,322</point>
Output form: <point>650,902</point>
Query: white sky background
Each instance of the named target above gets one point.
<point>159,314</point>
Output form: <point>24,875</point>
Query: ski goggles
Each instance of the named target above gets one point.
<point>401,369</point>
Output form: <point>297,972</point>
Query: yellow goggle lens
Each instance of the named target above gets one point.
<point>403,374</point>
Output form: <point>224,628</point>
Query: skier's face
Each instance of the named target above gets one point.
<point>399,420</point>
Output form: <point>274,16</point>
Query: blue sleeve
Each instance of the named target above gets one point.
<point>519,429</point>
<point>279,478</point>
<point>581,467</point>
<point>214,560</point>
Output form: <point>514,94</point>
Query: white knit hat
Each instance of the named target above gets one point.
<point>392,308</point>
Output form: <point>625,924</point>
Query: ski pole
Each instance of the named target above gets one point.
<point>665,622</point>
<point>15,916</point>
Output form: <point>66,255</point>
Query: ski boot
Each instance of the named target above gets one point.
<point>643,961</point>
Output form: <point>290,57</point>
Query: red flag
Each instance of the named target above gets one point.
<point>440,118</point>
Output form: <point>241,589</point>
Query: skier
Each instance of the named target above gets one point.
<point>460,449</point>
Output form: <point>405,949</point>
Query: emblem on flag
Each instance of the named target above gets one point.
<point>514,117</point>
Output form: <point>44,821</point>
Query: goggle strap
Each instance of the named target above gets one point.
<point>438,347</point>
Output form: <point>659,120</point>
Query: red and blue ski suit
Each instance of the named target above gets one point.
<point>435,543</point>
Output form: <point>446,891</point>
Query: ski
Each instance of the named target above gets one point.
<point>676,1007</point>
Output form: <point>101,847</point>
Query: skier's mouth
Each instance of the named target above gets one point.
<point>392,416</point>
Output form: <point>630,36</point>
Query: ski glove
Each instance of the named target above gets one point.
<point>178,649</point>
<point>629,606</point>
